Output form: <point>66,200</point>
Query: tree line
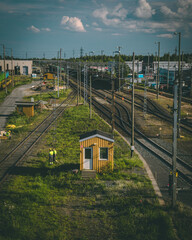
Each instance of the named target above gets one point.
<point>186,57</point>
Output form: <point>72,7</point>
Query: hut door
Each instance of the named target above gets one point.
<point>88,158</point>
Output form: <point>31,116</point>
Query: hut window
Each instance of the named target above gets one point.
<point>103,154</point>
<point>88,153</point>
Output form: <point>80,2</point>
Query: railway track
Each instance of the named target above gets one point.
<point>154,109</point>
<point>17,154</point>
<point>123,124</point>
<point>169,95</point>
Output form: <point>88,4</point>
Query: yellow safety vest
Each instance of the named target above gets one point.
<point>55,152</point>
<point>51,153</point>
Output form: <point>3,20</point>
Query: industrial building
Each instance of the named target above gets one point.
<point>19,67</point>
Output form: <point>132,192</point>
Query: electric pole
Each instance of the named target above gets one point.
<point>80,81</point>
<point>12,67</point>
<point>156,68</point>
<point>132,108</point>
<point>119,49</point>
<point>60,67</point>
<point>191,82</point>
<point>113,106</point>
<point>158,71</point>
<point>57,81</point>
<point>168,71</point>
<point>180,88</point>
<point>81,52</point>
<point>77,84</point>
<point>4,69</point>
<point>174,151</point>
<point>90,107</point>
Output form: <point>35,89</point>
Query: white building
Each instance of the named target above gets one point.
<point>138,66</point>
<point>173,65</point>
<point>23,67</point>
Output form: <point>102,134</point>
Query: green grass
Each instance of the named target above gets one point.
<point>46,96</point>
<point>50,202</point>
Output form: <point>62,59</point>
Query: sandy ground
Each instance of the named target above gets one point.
<point>8,106</point>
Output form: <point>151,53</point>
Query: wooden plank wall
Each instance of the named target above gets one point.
<point>96,143</point>
<point>27,110</point>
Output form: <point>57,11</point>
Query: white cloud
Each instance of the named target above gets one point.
<point>168,12</point>
<point>98,29</point>
<point>165,35</point>
<point>102,14</point>
<point>144,10</point>
<point>33,29</point>
<point>117,34</point>
<point>46,29</point>
<point>112,18</point>
<point>72,24</point>
<point>185,8</point>
<point>119,11</point>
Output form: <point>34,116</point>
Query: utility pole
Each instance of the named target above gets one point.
<point>158,71</point>
<point>168,71</point>
<point>90,107</point>
<point>57,81</point>
<point>4,69</point>
<point>180,88</point>
<point>85,84</point>
<point>67,76</point>
<point>81,52</point>
<point>12,67</point>
<point>77,85</point>
<point>156,68</point>
<point>60,67</point>
<point>132,108</point>
<point>113,106</point>
<point>119,67</point>
<point>191,82</point>
<point>80,81</point>
<point>174,151</point>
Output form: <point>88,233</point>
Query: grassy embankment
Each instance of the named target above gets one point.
<point>24,124</point>
<point>50,202</point>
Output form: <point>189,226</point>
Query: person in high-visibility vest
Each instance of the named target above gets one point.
<point>51,156</point>
<point>54,155</point>
<point>8,134</point>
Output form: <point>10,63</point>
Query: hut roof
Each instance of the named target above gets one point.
<point>96,133</point>
<point>25,103</point>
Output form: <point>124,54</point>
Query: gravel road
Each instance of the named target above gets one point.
<point>8,106</point>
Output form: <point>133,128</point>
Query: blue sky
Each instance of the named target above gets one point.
<point>44,26</point>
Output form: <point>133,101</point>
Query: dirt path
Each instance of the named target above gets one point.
<point>8,106</point>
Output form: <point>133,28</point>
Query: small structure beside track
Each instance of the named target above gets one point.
<point>26,107</point>
<point>96,151</point>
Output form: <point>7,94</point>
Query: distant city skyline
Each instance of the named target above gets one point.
<point>39,28</point>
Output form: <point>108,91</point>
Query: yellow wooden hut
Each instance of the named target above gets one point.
<point>26,107</point>
<point>96,150</point>
<point>48,76</point>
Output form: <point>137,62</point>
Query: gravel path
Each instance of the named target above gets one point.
<point>8,106</point>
